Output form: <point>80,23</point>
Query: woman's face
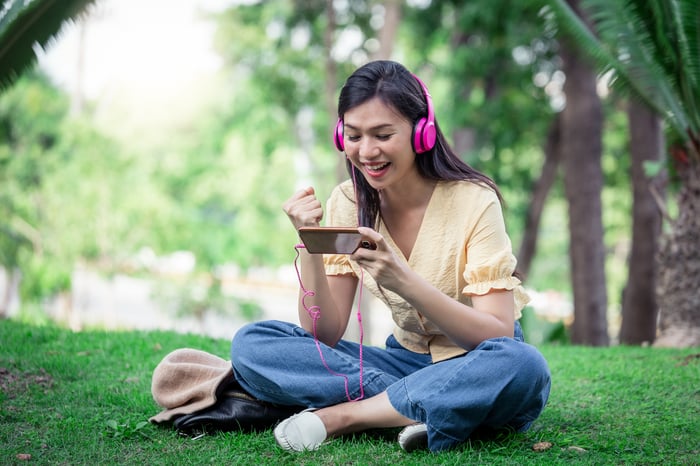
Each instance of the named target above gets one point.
<point>378,142</point>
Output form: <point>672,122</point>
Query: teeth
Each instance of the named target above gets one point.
<point>376,167</point>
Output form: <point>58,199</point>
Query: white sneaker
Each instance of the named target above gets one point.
<point>414,437</point>
<point>302,432</point>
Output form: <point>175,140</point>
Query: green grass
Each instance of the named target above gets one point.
<point>83,398</point>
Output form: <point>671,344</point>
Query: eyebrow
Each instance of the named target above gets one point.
<point>374,128</point>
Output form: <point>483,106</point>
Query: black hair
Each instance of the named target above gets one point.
<point>396,87</point>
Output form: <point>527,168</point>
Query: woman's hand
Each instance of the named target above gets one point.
<point>382,263</point>
<point>303,209</point>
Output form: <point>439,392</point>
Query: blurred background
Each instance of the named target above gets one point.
<point>144,160</point>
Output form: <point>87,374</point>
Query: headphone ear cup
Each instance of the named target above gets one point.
<point>416,137</point>
<point>424,131</point>
<point>424,136</point>
<point>429,135</point>
<point>338,136</point>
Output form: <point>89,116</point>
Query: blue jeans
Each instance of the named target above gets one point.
<point>503,382</point>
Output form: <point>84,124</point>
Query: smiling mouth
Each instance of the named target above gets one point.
<point>376,168</point>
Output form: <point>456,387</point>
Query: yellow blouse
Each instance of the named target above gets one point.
<point>462,249</point>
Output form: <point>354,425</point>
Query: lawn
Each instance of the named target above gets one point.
<point>84,398</point>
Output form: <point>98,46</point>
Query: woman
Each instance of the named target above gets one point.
<point>443,265</point>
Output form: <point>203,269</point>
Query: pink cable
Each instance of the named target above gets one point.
<point>315,314</point>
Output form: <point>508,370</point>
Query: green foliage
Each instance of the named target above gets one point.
<point>75,195</point>
<point>540,332</point>
<point>71,191</point>
<point>68,191</point>
<point>491,73</point>
<point>281,43</point>
<point>44,278</point>
<point>230,177</point>
<point>653,50</point>
<point>488,57</point>
<point>277,51</point>
<point>25,23</point>
<point>84,398</point>
<point>127,431</point>
<point>550,268</point>
<point>29,117</point>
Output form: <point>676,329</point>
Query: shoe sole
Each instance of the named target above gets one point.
<point>414,437</point>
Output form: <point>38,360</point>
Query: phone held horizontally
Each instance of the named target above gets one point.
<point>333,240</point>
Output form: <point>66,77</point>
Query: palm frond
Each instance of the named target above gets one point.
<point>24,23</point>
<point>605,55</point>
<point>686,16</point>
<point>652,47</point>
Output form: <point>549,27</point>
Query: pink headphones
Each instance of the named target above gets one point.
<point>424,132</point>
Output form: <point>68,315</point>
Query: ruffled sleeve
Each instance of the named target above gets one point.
<point>337,264</point>
<point>494,274</point>
<point>490,261</point>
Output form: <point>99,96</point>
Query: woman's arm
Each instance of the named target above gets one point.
<point>333,295</point>
<point>490,315</point>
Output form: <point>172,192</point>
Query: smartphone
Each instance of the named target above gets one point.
<point>333,240</point>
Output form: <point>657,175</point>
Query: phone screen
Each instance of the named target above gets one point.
<point>330,240</point>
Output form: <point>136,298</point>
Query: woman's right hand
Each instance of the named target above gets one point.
<point>303,209</point>
<point>381,262</point>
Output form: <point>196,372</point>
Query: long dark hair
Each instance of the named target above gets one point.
<point>398,88</point>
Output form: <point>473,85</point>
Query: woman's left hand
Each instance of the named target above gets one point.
<point>382,263</point>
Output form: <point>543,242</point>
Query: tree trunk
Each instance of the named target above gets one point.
<point>77,98</point>
<point>12,278</point>
<point>331,84</point>
<point>7,292</point>
<point>539,196</point>
<point>581,148</point>
<point>679,265</point>
<point>463,138</point>
<point>387,34</point>
<point>639,308</point>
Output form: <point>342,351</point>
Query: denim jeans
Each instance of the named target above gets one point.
<point>503,382</point>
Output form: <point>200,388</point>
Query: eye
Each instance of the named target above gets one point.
<point>383,137</point>
<point>353,138</point>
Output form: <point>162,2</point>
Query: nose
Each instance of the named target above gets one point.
<point>368,148</point>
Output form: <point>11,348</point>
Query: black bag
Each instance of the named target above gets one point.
<point>235,410</point>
